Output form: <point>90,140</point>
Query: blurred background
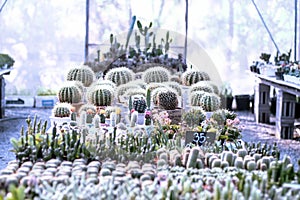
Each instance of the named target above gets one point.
<point>46,38</point>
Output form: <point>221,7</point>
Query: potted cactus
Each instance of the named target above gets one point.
<point>193,76</point>
<point>139,105</point>
<point>120,75</point>
<point>156,74</point>
<point>61,113</point>
<point>210,102</point>
<point>82,73</point>
<point>100,95</point>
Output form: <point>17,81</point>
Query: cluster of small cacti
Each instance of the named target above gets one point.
<point>194,116</point>
<point>69,93</point>
<point>221,115</point>
<point>210,102</point>
<point>82,73</point>
<point>167,99</point>
<point>193,76</point>
<point>156,74</point>
<point>61,110</point>
<point>120,75</point>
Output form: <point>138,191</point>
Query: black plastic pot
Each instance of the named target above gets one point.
<point>242,102</point>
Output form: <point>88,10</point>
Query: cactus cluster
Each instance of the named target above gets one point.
<point>210,102</point>
<point>194,116</point>
<point>100,96</point>
<point>156,74</point>
<point>167,99</point>
<point>193,76</point>
<point>120,75</point>
<point>82,73</point>
<point>61,110</point>
<point>69,93</point>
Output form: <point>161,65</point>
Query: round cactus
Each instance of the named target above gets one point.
<point>135,91</point>
<point>62,110</point>
<point>70,93</point>
<point>138,82</point>
<point>120,75</point>
<point>176,86</point>
<point>214,86</point>
<point>105,82</point>
<point>156,74</point>
<point>100,95</point>
<point>201,86</point>
<point>194,116</point>
<point>153,85</point>
<point>122,89</point>
<point>194,76</point>
<point>139,104</point>
<point>195,98</point>
<point>167,99</point>
<point>82,73</point>
<point>210,102</point>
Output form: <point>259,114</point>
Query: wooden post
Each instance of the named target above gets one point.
<point>285,115</point>
<point>261,103</point>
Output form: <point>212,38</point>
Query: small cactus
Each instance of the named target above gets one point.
<point>120,75</point>
<point>133,119</point>
<point>192,160</point>
<point>156,74</point>
<point>82,73</point>
<point>100,96</point>
<point>194,76</point>
<point>167,99</point>
<point>62,110</point>
<point>139,104</point>
<point>210,102</point>
<point>69,93</point>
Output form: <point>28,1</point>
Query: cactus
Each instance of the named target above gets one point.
<point>120,75</point>
<point>62,110</point>
<point>69,93</point>
<point>135,92</point>
<point>121,90</point>
<point>192,160</point>
<point>82,73</point>
<point>214,86</point>
<point>146,33</point>
<point>194,116</point>
<point>194,76</point>
<point>106,83</point>
<point>201,86</point>
<point>221,115</point>
<point>100,96</point>
<point>139,104</point>
<point>156,74</point>
<point>133,119</point>
<point>176,86</point>
<point>210,102</point>
<point>195,98</point>
<point>87,107</point>
<point>167,99</point>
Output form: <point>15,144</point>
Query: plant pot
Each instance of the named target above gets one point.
<point>242,102</point>
<point>226,102</point>
<point>141,119</point>
<point>279,76</point>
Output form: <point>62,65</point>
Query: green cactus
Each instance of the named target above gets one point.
<point>166,43</point>
<point>195,98</point>
<point>193,76</point>
<point>201,86</point>
<point>62,110</point>
<point>139,104</point>
<point>122,89</point>
<point>146,33</point>
<point>120,75</point>
<point>156,74</point>
<point>176,86</point>
<point>192,160</point>
<point>82,73</point>
<point>133,119</point>
<point>210,102</point>
<point>167,99</point>
<point>194,116</point>
<point>69,93</point>
<point>100,96</point>
<point>221,115</point>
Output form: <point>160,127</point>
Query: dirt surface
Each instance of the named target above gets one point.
<point>14,119</point>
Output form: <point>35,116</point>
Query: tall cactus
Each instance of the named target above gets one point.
<point>156,74</point>
<point>120,75</point>
<point>82,73</point>
<point>69,93</point>
<point>210,102</point>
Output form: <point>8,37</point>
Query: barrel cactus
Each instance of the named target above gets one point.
<point>105,82</point>
<point>82,73</point>
<point>194,76</point>
<point>62,110</point>
<point>176,86</point>
<point>69,93</point>
<point>194,116</point>
<point>156,74</point>
<point>122,89</point>
<point>167,99</point>
<point>100,95</point>
<point>210,102</point>
<point>139,104</point>
<point>195,98</point>
<point>202,86</point>
<point>120,75</point>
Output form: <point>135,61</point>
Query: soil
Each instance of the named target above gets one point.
<point>15,118</point>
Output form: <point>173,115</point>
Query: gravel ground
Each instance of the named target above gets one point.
<point>11,125</point>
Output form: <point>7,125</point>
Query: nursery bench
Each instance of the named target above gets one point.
<point>285,106</point>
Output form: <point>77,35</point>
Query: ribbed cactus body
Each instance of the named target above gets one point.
<point>195,98</point>
<point>62,110</point>
<point>194,76</point>
<point>167,99</point>
<point>69,93</point>
<point>139,105</point>
<point>120,75</point>
<point>210,102</point>
<point>201,86</point>
<point>174,85</point>
<point>100,96</point>
<point>105,83</point>
<point>156,74</point>
<point>82,73</point>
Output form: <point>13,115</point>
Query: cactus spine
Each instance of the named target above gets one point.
<point>62,110</point>
<point>100,96</point>
<point>194,76</point>
<point>120,75</point>
<point>69,93</point>
<point>82,73</point>
<point>156,74</point>
<point>167,99</point>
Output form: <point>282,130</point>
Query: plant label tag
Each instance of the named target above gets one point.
<point>199,138</point>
